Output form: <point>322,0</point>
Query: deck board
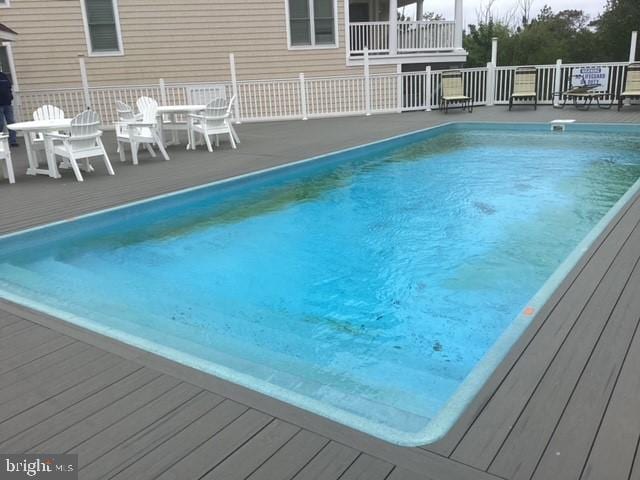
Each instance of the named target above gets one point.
<point>70,438</point>
<point>135,448</point>
<point>152,414</point>
<point>187,452</point>
<point>614,447</point>
<point>331,462</point>
<point>568,447</point>
<point>61,402</point>
<point>367,467</point>
<point>76,413</point>
<point>569,385</point>
<point>29,355</point>
<point>251,455</point>
<point>544,408</point>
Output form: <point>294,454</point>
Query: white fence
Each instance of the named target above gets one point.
<point>314,97</point>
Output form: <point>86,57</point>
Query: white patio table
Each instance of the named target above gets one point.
<point>41,126</point>
<point>171,111</point>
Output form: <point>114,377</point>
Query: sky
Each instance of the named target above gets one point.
<point>502,7</point>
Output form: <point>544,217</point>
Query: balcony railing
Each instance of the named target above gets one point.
<point>411,37</point>
<point>425,36</point>
<point>374,35</point>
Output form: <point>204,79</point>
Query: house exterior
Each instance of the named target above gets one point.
<point>128,42</point>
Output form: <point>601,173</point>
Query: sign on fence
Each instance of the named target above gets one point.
<point>582,76</point>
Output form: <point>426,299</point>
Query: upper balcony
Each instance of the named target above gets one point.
<point>381,27</point>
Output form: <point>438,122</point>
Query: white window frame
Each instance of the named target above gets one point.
<point>87,32</point>
<point>312,27</point>
<point>5,4</point>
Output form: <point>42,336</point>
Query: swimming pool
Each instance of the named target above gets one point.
<point>378,286</point>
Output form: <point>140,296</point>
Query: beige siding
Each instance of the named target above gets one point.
<point>178,40</point>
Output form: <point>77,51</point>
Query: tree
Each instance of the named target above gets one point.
<point>614,29</point>
<point>542,40</point>
<point>477,42</point>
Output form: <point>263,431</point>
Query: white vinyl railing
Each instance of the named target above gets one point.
<point>412,37</point>
<point>556,78</point>
<point>425,36</point>
<point>373,35</point>
<point>315,97</point>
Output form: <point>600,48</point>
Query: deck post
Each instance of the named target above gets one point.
<point>393,27</point>
<point>557,84</point>
<point>491,82</point>
<point>234,87</point>
<point>399,87</point>
<point>85,82</point>
<point>427,87</point>
<point>457,33</point>
<point>632,47</point>
<point>303,97</point>
<point>163,91</point>
<point>367,83</point>
<point>494,51</point>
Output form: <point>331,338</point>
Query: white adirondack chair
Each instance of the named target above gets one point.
<point>83,142</point>
<point>126,116</point>
<point>45,112</point>
<point>214,120</point>
<point>5,157</point>
<point>138,131</point>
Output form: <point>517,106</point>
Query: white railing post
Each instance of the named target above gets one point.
<point>399,87</point>
<point>632,47</point>
<point>303,97</point>
<point>393,27</point>
<point>367,83</point>
<point>494,51</point>
<point>163,92</point>
<point>457,33</point>
<point>17,105</point>
<point>85,82</point>
<point>556,83</point>
<point>491,83</point>
<point>234,87</point>
<point>428,87</point>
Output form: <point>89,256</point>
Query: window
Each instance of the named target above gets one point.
<point>5,63</point>
<point>5,3</point>
<point>312,23</point>
<point>102,27</point>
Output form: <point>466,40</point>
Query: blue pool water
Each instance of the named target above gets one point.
<point>366,286</point>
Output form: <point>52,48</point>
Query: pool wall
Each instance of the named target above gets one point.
<point>472,384</point>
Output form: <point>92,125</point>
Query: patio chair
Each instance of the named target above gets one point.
<point>125,117</point>
<point>453,91</point>
<point>134,131</point>
<point>83,142</point>
<point>5,158</point>
<point>632,84</point>
<point>524,86</point>
<point>214,120</point>
<point>45,112</point>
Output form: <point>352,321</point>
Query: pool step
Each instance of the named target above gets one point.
<point>313,332</point>
<point>384,382</point>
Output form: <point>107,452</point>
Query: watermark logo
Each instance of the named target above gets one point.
<point>38,466</point>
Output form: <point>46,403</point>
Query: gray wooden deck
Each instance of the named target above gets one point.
<point>564,404</point>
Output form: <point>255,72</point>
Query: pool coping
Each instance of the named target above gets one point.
<point>474,380</point>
